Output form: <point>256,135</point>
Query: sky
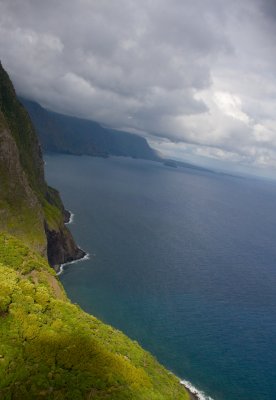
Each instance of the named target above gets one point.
<point>197,78</point>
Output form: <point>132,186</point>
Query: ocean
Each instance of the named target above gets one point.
<point>181,260</point>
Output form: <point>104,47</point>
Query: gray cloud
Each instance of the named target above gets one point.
<point>197,72</point>
<point>268,7</point>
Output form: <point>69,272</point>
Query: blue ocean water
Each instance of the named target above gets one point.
<point>184,261</point>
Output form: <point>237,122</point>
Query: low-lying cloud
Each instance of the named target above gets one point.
<point>194,77</point>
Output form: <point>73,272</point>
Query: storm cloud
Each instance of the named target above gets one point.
<point>196,77</point>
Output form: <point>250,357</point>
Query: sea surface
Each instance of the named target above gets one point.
<point>183,261</point>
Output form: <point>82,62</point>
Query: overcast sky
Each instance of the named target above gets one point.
<point>196,77</point>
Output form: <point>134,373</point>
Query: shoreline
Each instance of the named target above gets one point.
<point>60,268</point>
<point>192,396</point>
<point>71,218</point>
<point>194,393</point>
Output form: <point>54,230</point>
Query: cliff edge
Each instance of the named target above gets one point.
<point>29,208</point>
<point>49,347</point>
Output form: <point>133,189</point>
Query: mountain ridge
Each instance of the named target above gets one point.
<point>66,134</point>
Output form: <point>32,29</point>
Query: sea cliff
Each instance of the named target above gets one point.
<point>50,348</point>
<point>30,209</point>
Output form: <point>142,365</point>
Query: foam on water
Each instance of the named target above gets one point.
<point>71,219</point>
<point>86,257</point>
<point>198,393</point>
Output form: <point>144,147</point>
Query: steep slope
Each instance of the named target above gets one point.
<point>50,349</point>
<point>20,211</point>
<point>25,198</point>
<point>64,134</point>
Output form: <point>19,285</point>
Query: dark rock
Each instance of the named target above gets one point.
<point>67,216</point>
<point>61,247</point>
<point>30,209</point>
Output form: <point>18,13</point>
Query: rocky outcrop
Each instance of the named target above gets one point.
<point>29,208</point>
<point>61,247</point>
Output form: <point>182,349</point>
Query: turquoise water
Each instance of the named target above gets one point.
<point>183,261</point>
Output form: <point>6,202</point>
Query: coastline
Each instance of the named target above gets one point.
<point>194,393</point>
<point>60,268</point>
<point>192,396</point>
<point>71,218</point>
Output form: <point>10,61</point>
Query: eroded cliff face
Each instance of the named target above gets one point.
<point>61,247</point>
<point>29,208</point>
<point>20,211</point>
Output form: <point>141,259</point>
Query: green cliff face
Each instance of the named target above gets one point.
<point>50,348</point>
<point>20,210</point>
<point>30,209</point>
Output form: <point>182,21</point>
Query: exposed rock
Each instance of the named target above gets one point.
<point>61,246</point>
<point>29,208</point>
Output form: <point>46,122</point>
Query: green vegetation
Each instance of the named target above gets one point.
<point>20,211</point>
<point>49,348</point>
<point>22,131</point>
<point>29,208</point>
<point>16,120</point>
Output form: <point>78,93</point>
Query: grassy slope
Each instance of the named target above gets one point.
<point>20,211</point>
<point>21,129</point>
<point>29,208</point>
<point>49,348</point>
<point>17,121</point>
